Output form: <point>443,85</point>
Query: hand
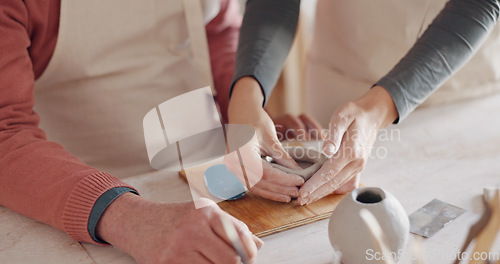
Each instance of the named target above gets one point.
<point>154,232</point>
<point>301,128</point>
<point>245,107</point>
<point>353,130</point>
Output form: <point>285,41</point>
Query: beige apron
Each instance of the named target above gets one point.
<point>357,42</point>
<point>114,61</point>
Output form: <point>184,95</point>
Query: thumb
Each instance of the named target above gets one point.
<point>281,156</point>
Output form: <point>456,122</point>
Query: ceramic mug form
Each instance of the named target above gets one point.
<point>350,236</point>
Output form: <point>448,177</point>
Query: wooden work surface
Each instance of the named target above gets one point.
<point>448,153</point>
<point>262,216</point>
<point>265,217</point>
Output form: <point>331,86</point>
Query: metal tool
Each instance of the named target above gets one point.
<point>432,217</point>
<point>233,236</point>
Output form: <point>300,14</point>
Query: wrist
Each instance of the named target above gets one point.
<point>247,89</point>
<point>113,226</point>
<point>246,100</point>
<point>380,105</point>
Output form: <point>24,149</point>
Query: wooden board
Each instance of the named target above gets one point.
<point>263,217</point>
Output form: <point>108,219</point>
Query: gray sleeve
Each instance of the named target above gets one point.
<point>447,44</point>
<point>266,37</point>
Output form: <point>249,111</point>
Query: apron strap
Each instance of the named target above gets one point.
<point>199,43</point>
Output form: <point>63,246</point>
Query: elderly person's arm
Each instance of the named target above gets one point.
<point>38,178</point>
<point>41,180</point>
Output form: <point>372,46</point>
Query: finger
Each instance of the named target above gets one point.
<point>218,249</point>
<point>313,127</point>
<point>329,187</point>
<point>271,195</point>
<point>297,127</point>
<point>349,186</point>
<point>325,174</point>
<point>280,177</point>
<point>339,123</point>
<point>221,249</point>
<point>276,188</point>
<point>294,128</point>
<point>250,242</point>
<point>279,154</point>
<point>258,242</point>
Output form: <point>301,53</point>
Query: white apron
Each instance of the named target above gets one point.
<point>114,61</point>
<point>358,42</point>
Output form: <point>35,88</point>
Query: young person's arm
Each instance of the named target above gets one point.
<point>266,36</point>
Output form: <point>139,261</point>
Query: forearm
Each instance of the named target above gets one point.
<point>42,181</point>
<point>113,226</point>
<point>378,103</point>
<point>449,42</point>
<point>266,36</point>
<point>38,178</point>
<point>247,96</point>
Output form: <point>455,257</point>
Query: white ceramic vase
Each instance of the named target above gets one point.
<point>350,236</point>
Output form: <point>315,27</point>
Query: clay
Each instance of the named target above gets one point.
<point>305,156</point>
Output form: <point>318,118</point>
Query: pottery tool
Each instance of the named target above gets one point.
<point>432,217</point>
<point>223,184</point>
<point>476,228</point>
<point>489,193</point>
<point>486,237</point>
<point>233,236</point>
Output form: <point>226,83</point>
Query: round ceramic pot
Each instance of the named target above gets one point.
<point>350,236</point>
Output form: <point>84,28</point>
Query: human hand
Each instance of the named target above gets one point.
<point>303,127</point>
<point>245,107</point>
<point>353,130</point>
<point>154,233</point>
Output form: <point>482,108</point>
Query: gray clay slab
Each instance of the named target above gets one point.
<point>306,156</point>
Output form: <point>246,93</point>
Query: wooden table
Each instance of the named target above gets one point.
<point>447,152</point>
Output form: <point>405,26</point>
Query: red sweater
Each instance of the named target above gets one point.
<point>38,178</point>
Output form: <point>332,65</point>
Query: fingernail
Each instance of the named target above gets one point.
<point>300,180</point>
<point>304,195</point>
<point>329,148</point>
<point>303,201</point>
<point>294,193</point>
<point>258,242</point>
